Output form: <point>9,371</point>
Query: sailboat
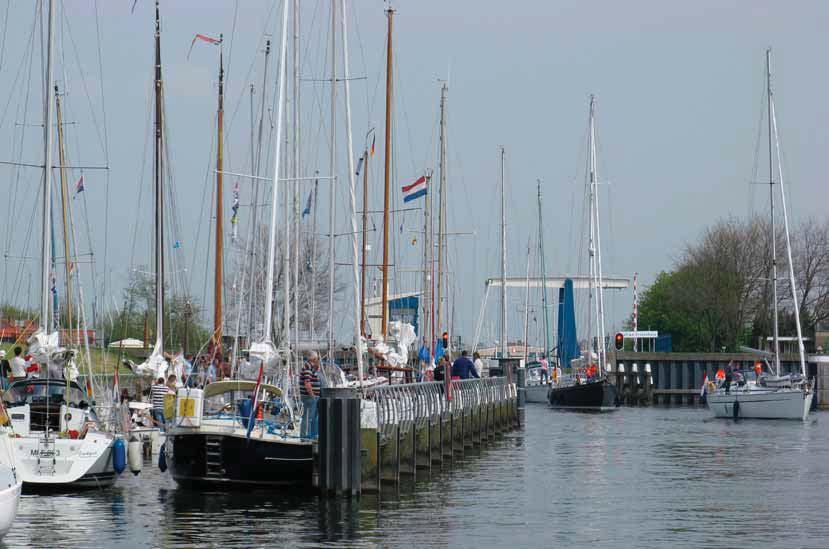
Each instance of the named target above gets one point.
<point>10,482</point>
<point>244,432</point>
<point>537,384</point>
<point>590,389</point>
<point>58,439</point>
<point>770,396</point>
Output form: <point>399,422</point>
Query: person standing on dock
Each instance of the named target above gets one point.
<point>479,364</point>
<point>463,368</point>
<point>309,391</point>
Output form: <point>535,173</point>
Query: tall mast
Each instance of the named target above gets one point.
<point>352,187</point>
<point>333,193</point>
<point>503,260</point>
<point>796,304</point>
<point>527,308</point>
<point>442,206</point>
<point>267,338</point>
<point>47,175</point>
<point>543,274</point>
<point>776,335</point>
<point>386,177</point>
<point>217,283</point>
<point>595,241</point>
<point>296,174</point>
<point>365,243</point>
<point>158,173</point>
<point>64,200</point>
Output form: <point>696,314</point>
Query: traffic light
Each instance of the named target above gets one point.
<point>619,340</point>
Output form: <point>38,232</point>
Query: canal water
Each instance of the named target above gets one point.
<point>649,477</point>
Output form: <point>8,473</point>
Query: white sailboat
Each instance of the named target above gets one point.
<point>57,438</point>
<point>770,396</point>
<point>10,484</point>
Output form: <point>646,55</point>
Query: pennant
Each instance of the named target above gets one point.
<point>415,190</point>
<point>360,164</point>
<point>203,38</point>
<point>307,209</point>
<point>373,139</point>
<point>78,187</point>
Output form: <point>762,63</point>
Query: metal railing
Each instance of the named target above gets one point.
<point>417,404</point>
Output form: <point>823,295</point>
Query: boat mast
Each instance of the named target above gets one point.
<point>387,173</point>
<point>268,325</point>
<point>352,187</point>
<point>296,174</point>
<point>365,243</point>
<point>158,174</point>
<point>333,193</point>
<point>47,175</point>
<point>527,308</point>
<point>594,304</point>
<point>543,275</point>
<point>503,260</point>
<point>800,348</point>
<point>599,277</point>
<point>444,90</point>
<point>775,329</point>
<point>217,283</point>
<point>64,200</point>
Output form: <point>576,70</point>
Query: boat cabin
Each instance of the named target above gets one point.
<point>48,405</point>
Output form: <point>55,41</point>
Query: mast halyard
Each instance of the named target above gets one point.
<point>795,303</point>
<point>217,282</point>
<point>365,243</point>
<point>775,328</point>
<point>504,348</point>
<point>387,175</point>
<point>444,90</point>
<point>47,175</point>
<point>333,187</point>
<point>543,275</point>
<point>158,174</point>
<point>352,197</point>
<point>64,200</point>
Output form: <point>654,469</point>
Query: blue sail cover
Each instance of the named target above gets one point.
<point>568,343</point>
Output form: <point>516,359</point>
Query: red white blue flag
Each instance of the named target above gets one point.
<point>415,190</point>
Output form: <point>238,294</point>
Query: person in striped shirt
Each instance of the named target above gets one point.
<point>157,394</point>
<point>309,392</point>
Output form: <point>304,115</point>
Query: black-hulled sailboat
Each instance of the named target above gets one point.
<point>587,387</point>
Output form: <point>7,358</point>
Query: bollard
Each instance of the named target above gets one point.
<point>340,467</point>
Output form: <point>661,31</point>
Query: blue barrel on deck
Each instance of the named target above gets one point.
<point>243,406</point>
<point>119,456</point>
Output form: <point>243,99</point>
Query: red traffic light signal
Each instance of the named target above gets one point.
<point>619,340</point>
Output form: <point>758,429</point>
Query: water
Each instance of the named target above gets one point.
<point>636,478</point>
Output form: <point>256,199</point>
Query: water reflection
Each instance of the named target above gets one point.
<point>637,477</point>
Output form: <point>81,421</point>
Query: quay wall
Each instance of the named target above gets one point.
<point>676,378</point>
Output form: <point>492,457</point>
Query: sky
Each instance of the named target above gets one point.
<point>679,90</point>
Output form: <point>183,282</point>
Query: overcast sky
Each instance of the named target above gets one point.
<point>679,90</point>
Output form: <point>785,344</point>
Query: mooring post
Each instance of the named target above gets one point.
<point>521,384</point>
<point>340,469</point>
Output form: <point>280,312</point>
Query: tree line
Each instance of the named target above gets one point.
<point>719,294</point>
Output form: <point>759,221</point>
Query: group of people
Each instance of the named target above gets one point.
<point>462,368</point>
<point>20,366</point>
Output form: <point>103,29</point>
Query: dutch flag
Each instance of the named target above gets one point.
<point>415,190</point>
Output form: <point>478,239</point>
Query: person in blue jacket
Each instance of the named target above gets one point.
<point>463,368</point>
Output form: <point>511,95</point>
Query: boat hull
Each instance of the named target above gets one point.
<point>537,393</point>
<point>10,486</point>
<point>66,464</point>
<point>211,458</point>
<point>771,404</point>
<point>599,395</point>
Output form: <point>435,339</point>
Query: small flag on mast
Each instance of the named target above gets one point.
<point>78,187</point>
<point>415,190</point>
<point>307,209</point>
<point>373,139</point>
<point>203,38</point>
